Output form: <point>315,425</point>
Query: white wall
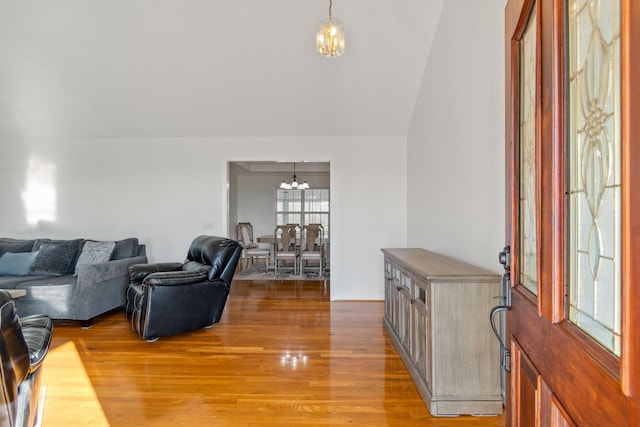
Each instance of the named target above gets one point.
<point>455,146</point>
<point>165,190</point>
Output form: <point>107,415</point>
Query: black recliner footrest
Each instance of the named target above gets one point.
<point>36,321</point>
<point>38,340</point>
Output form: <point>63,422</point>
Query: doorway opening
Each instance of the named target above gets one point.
<point>255,197</point>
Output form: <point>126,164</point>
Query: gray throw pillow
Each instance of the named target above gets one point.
<point>125,248</point>
<point>94,253</point>
<point>55,259</point>
<point>16,264</point>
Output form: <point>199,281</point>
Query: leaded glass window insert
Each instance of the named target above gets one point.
<point>528,176</point>
<point>593,168</point>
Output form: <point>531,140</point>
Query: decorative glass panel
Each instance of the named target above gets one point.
<point>528,259</point>
<point>593,166</point>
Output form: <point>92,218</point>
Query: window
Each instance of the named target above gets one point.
<point>303,207</point>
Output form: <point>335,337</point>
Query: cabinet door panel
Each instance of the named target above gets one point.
<point>404,328</point>
<point>421,350</point>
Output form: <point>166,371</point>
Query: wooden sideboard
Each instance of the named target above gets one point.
<point>437,316</point>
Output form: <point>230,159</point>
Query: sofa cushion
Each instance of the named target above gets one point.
<point>11,282</point>
<point>125,248</point>
<point>14,245</point>
<point>56,258</point>
<point>16,264</point>
<point>94,253</point>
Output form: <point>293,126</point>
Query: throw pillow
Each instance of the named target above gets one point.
<point>125,248</point>
<point>55,259</point>
<point>94,253</point>
<point>16,264</point>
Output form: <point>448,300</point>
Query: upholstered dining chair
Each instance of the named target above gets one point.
<point>286,247</point>
<point>171,298</point>
<point>312,248</point>
<point>251,250</point>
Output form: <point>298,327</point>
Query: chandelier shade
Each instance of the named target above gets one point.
<point>330,36</point>
<point>294,184</point>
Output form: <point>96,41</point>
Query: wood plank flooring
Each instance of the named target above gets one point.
<point>282,355</point>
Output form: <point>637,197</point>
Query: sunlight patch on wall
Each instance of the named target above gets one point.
<point>39,195</point>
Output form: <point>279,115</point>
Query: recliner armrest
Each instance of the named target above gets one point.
<point>137,272</point>
<point>175,278</point>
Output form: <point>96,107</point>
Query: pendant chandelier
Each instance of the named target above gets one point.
<point>294,184</point>
<point>330,37</point>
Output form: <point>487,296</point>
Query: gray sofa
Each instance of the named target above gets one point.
<point>68,279</point>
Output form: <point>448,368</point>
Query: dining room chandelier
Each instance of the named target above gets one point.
<point>330,36</point>
<point>294,184</point>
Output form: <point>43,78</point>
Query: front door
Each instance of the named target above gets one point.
<point>573,197</point>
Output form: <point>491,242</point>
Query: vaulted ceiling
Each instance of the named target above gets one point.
<point>183,68</point>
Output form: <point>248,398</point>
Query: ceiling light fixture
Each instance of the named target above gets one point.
<point>294,184</point>
<point>330,36</point>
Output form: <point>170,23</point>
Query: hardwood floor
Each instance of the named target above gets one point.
<point>282,355</point>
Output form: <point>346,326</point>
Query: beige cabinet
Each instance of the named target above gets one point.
<point>437,316</point>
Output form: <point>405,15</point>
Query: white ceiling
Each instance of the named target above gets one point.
<point>177,68</point>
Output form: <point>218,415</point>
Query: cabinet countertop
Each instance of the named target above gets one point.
<point>434,266</point>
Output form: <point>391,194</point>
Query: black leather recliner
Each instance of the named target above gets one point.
<point>24,344</point>
<point>170,298</point>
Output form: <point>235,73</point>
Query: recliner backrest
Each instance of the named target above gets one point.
<point>218,252</point>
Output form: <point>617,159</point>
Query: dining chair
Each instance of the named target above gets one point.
<point>312,248</point>
<point>251,250</point>
<point>286,247</point>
